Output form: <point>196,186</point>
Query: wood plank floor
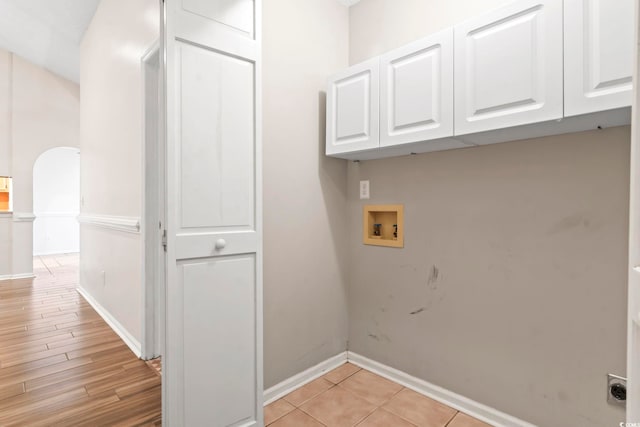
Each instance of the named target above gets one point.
<point>61,364</point>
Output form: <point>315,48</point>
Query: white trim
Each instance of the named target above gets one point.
<point>348,3</point>
<point>59,252</point>
<point>57,214</point>
<point>287,386</point>
<point>471,407</point>
<point>6,214</point>
<point>17,276</point>
<point>127,224</point>
<point>128,339</point>
<point>23,217</point>
<point>152,167</point>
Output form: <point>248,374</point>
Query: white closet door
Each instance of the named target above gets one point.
<point>212,369</point>
<point>508,67</point>
<point>598,55</point>
<point>352,109</point>
<point>416,91</point>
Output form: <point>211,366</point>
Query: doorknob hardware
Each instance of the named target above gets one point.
<point>220,244</point>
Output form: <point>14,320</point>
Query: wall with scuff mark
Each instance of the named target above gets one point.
<point>511,287</point>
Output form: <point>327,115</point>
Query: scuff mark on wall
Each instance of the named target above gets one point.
<point>575,221</point>
<point>433,275</point>
<point>420,310</point>
<point>379,337</point>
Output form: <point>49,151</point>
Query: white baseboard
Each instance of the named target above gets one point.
<point>17,276</point>
<point>287,386</point>
<point>477,410</point>
<point>128,339</point>
<point>58,252</point>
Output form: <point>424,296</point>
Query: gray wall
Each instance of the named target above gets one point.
<point>305,309</point>
<point>515,257</point>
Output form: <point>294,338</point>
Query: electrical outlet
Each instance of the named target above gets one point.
<point>364,190</point>
<point>616,390</point>
<point>103,276</point>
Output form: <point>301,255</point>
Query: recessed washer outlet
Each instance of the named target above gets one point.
<point>616,390</point>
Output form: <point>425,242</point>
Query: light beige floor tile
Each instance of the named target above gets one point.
<point>371,387</point>
<point>338,407</point>
<point>297,418</point>
<point>464,420</point>
<point>341,373</point>
<point>382,418</point>
<point>276,410</point>
<point>307,391</point>
<point>419,409</point>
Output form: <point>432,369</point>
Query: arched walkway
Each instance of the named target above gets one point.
<point>56,201</point>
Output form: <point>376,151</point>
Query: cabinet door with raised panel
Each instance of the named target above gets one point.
<point>416,91</point>
<point>508,67</point>
<point>352,109</point>
<point>598,55</point>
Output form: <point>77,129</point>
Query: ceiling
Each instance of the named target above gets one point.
<point>47,32</point>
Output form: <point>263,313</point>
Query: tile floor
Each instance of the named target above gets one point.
<point>350,396</point>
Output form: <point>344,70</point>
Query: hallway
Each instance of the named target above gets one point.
<point>60,363</point>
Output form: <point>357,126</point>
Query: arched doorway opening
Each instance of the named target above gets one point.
<point>56,201</point>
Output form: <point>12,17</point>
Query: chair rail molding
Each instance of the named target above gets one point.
<point>125,224</point>
<point>23,217</point>
<point>56,214</point>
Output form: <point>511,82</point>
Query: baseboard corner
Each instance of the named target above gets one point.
<point>117,327</point>
<point>287,386</point>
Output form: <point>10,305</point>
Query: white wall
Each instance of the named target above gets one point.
<point>6,220</point>
<point>377,26</point>
<point>5,113</point>
<point>38,111</point>
<point>56,202</point>
<point>305,265</point>
<point>111,133</point>
<point>511,288</point>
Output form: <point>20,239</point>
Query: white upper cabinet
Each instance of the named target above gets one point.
<point>532,68</point>
<point>598,49</point>
<point>416,91</point>
<point>508,67</point>
<point>352,109</point>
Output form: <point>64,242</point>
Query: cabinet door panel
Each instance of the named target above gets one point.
<point>508,68</point>
<point>416,91</point>
<point>598,55</point>
<point>352,109</point>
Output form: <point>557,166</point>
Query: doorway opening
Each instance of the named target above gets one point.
<point>56,202</point>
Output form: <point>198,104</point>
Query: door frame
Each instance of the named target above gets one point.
<point>633,307</point>
<point>153,205</point>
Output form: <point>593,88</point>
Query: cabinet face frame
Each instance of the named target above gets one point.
<point>598,55</point>
<point>416,91</point>
<point>520,44</point>
<point>353,108</point>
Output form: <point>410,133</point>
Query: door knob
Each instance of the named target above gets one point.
<point>220,244</point>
